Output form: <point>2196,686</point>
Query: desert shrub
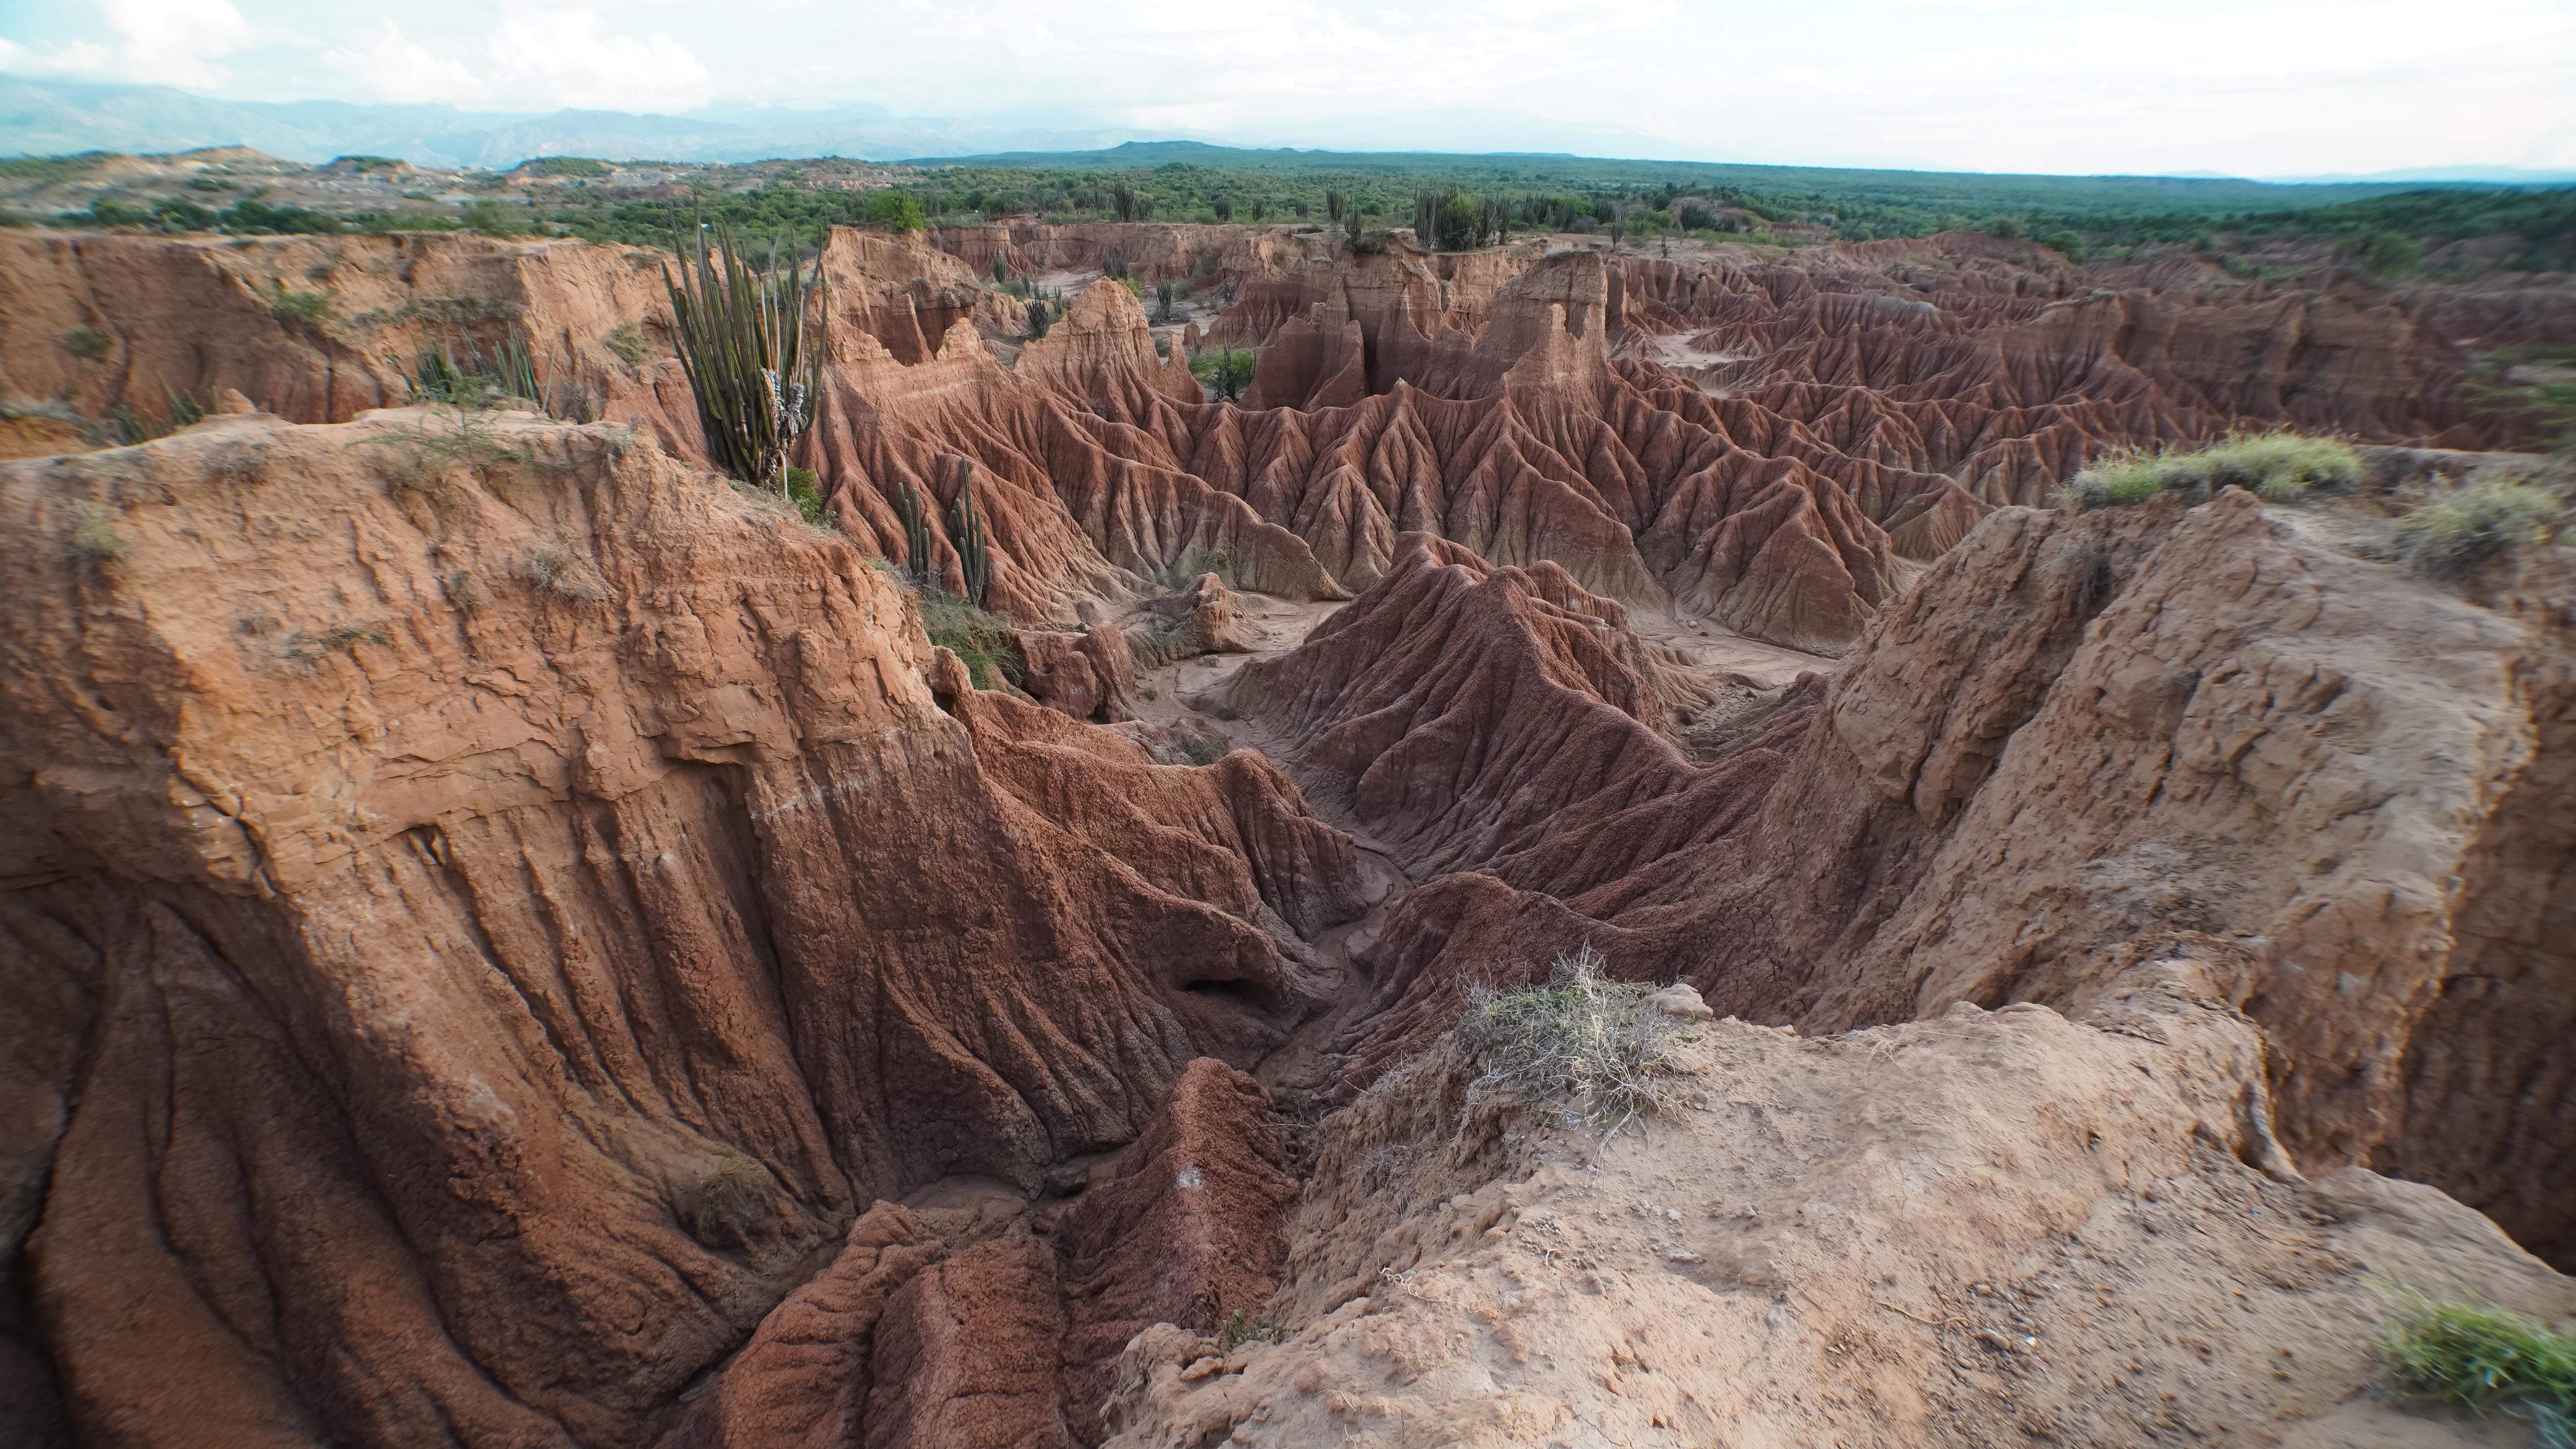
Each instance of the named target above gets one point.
<point>94,540</point>
<point>806,492</point>
<point>630,344</point>
<point>418,455</point>
<point>896,211</point>
<point>1229,371</point>
<point>558,570</point>
<point>1040,318</point>
<point>981,641</point>
<point>2482,1359</point>
<point>493,219</point>
<point>726,1201</point>
<point>1241,1328</point>
<point>2387,253</point>
<point>1206,748</point>
<point>567,166</point>
<point>2281,467</point>
<point>88,344</point>
<point>1582,1035</point>
<point>310,309</point>
<point>2067,244</point>
<point>2007,227</point>
<point>304,648</point>
<point>2461,529</point>
<point>461,590</point>
<point>1197,559</point>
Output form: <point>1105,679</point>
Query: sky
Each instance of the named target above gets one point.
<point>1990,85</point>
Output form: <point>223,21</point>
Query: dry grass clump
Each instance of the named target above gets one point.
<point>1582,1036</point>
<point>981,641</point>
<point>2483,1359</point>
<point>94,539</point>
<point>2456,531</point>
<point>559,569</point>
<point>2281,467</point>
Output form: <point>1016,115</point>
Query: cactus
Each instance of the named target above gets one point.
<point>966,530</point>
<point>754,364</point>
<point>916,533</point>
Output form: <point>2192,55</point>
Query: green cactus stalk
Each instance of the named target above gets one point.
<point>916,534</point>
<point>753,361</point>
<point>966,530</point>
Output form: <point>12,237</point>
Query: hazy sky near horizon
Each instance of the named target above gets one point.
<point>2288,88</point>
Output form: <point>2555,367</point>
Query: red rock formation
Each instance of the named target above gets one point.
<point>2082,736</point>
<point>518,910</point>
<point>802,1381</point>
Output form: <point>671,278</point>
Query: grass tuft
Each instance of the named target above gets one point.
<point>2482,1359</point>
<point>981,641</point>
<point>2457,531</point>
<point>94,539</point>
<point>311,309</point>
<point>630,344</point>
<point>1582,1035</point>
<point>1241,1328</point>
<point>1197,559</point>
<point>2280,467</point>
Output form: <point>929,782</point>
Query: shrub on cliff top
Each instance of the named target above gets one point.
<point>896,211</point>
<point>2459,530</point>
<point>2483,1359</point>
<point>1582,1035</point>
<point>2281,467</point>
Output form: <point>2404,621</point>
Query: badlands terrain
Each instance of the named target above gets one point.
<point>509,938</point>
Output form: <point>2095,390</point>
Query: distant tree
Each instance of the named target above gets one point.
<point>896,211</point>
<point>2068,244</point>
<point>1163,310</point>
<point>1122,201</point>
<point>2386,252</point>
<point>1337,205</point>
<point>1001,271</point>
<point>1260,209</point>
<point>1229,372</point>
<point>1040,318</point>
<point>1224,209</point>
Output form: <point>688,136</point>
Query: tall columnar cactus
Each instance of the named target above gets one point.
<point>754,360</point>
<point>966,530</point>
<point>916,533</point>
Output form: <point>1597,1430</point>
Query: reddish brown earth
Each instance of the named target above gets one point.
<point>507,939</point>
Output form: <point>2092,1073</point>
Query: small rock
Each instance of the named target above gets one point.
<point>1681,999</point>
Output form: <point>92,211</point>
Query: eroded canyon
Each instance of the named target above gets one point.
<point>513,939</point>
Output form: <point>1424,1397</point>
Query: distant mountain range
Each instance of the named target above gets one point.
<point>57,117</point>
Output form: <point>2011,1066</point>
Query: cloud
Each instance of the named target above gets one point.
<point>391,66</point>
<point>570,59</point>
<point>158,42</point>
<point>564,59</point>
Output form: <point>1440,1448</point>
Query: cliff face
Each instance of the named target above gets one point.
<point>494,900</point>
<point>2079,737</point>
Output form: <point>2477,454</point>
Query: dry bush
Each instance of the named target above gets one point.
<point>1581,1036</point>
<point>2457,531</point>
<point>2279,466</point>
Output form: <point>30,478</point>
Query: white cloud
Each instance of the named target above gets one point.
<point>569,59</point>
<point>158,42</point>
<point>537,61</point>
<point>392,66</point>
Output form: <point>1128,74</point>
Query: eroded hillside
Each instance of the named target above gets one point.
<point>514,939</point>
